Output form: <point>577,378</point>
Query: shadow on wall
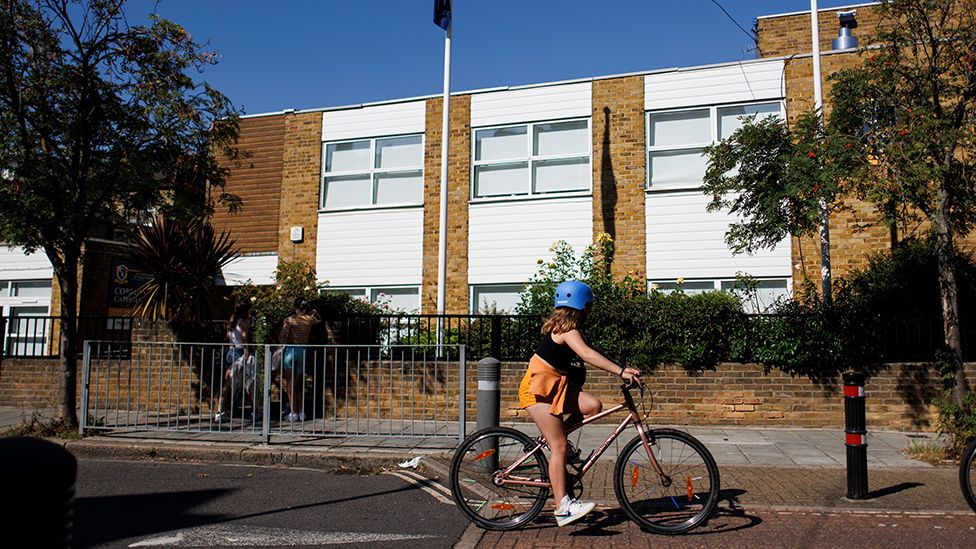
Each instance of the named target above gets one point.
<point>916,387</point>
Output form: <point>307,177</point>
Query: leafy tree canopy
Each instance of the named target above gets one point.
<point>101,120</point>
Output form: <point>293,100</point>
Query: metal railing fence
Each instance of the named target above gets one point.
<point>265,390</point>
<point>505,337</point>
<point>40,336</point>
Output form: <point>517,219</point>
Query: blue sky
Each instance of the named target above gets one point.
<point>279,54</point>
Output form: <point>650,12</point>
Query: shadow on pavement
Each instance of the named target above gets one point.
<point>874,494</point>
<point>99,520</point>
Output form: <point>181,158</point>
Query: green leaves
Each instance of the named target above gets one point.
<point>773,178</point>
<point>185,260</point>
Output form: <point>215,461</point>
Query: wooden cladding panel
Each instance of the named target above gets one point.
<point>257,180</point>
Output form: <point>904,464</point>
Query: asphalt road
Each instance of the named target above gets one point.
<point>146,504</point>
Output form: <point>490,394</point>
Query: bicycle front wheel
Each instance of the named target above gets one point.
<point>967,475</point>
<point>684,499</point>
<point>482,489</point>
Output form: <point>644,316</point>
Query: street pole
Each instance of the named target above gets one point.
<point>442,233</point>
<point>818,109</point>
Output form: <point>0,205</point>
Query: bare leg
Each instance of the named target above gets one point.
<point>589,404</point>
<point>551,427</point>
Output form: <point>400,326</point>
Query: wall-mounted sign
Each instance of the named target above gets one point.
<point>124,279</point>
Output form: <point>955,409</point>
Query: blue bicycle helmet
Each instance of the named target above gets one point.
<point>573,294</point>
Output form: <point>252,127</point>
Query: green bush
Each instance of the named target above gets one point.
<point>270,305</point>
<point>632,327</point>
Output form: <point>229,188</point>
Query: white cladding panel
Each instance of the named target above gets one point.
<point>258,269</point>
<point>374,121</point>
<point>506,239</point>
<point>371,248</point>
<point>17,265</point>
<point>531,104</point>
<point>751,81</point>
<point>684,240</point>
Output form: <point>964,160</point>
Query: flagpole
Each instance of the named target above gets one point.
<point>442,233</point>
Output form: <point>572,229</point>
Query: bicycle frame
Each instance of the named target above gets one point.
<point>506,477</point>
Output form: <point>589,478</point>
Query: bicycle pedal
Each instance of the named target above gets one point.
<point>576,462</point>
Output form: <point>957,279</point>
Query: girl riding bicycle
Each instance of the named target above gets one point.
<point>551,388</point>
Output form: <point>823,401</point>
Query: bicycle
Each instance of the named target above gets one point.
<point>665,480</point>
<point>967,474</point>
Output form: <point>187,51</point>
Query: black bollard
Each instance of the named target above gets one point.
<point>38,480</point>
<point>856,435</point>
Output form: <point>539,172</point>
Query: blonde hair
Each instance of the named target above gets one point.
<point>562,320</point>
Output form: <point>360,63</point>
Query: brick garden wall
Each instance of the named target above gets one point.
<point>733,394</point>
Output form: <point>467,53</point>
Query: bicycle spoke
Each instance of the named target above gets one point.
<point>480,491</point>
<point>683,504</point>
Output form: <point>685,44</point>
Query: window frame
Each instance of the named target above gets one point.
<point>372,172</point>
<point>713,131</point>
<point>473,291</point>
<point>717,285</point>
<point>530,161</point>
<point>365,292</point>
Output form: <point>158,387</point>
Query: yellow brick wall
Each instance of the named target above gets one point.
<point>301,168</point>
<point>855,231</point>
<point>619,169</point>
<point>458,173</point>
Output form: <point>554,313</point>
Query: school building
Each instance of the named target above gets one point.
<point>354,190</point>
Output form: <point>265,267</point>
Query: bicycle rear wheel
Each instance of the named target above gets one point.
<point>478,489</point>
<point>692,494</point>
<point>967,475</point>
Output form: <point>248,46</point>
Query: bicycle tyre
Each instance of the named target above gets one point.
<point>967,475</point>
<point>687,503</point>
<point>487,504</point>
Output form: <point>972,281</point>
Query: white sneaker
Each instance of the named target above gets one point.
<point>300,416</point>
<point>570,511</point>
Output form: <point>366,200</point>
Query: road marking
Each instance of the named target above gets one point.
<point>239,535</point>
<point>438,492</point>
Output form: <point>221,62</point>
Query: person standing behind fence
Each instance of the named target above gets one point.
<point>237,333</point>
<point>294,335</point>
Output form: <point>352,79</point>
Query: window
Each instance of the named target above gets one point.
<point>532,159</point>
<point>500,298</point>
<point>766,292</point>
<point>373,172</point>
<point>676,141</point>
<point>26,333</point>
<point>764,295</point>
<point>395,299</point>
<point>22,302</point>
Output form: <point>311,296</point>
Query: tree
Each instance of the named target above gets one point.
<point>900,134</point>
<point>184,259</point>
<point>910,110</point>
<point>773,178</point>
<point>101,121</point>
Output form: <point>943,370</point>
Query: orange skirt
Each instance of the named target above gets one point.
<point>543,384</point>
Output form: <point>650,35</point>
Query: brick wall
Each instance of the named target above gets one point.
<point>786,35</point>
<point>741,394</point>
<point>301,168</point>
<point>619,169</point>
<point>458,174</point>
<point>855,231</point>
<point>257,180</point>
<point>733,394</point>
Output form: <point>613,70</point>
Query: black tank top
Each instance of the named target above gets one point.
<point>561,357</point>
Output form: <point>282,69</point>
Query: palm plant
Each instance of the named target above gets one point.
<point>185,260</point>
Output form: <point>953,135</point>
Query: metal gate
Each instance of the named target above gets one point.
<point>265,390</point>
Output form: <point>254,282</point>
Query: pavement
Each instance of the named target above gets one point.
<point>769,468</point>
